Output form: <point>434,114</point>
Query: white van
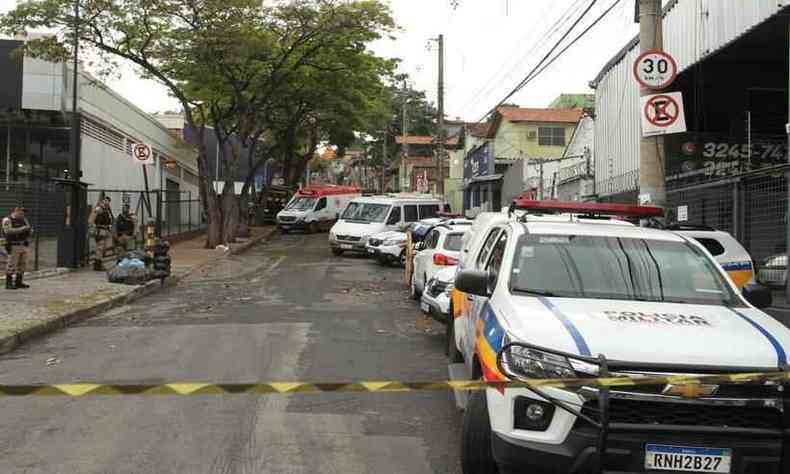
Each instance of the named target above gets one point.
<point>315,208</point>
<point>366,216</point>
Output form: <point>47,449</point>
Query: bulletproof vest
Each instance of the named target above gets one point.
<point>17,222</point>
<point>103,217</point>
<point>125,225</point>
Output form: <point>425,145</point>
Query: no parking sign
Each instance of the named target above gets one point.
<point>662,114</point>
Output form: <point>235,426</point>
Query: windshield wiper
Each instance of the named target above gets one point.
<point>529,291</point>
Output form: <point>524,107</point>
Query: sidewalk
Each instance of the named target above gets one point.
<point>55,302</point>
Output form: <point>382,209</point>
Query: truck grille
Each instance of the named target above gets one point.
<point>287,219</point>
<point>349,238</point>
<point>635,412</point>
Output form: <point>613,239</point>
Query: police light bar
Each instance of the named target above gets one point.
<point>589,208</point>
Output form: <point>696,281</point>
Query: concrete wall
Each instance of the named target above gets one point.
<point>512,140</point>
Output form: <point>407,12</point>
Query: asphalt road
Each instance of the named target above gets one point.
<point>284,311</point>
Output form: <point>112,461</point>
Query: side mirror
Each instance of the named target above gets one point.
<point>473,282</point>
<point>758,295</point>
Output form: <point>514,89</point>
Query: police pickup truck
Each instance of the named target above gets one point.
<point>564,291</point>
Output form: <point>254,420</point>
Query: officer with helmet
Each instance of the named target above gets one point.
<point>102,220</point>
<point>17,232</point>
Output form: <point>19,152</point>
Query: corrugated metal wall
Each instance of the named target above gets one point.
<point>693,29</point>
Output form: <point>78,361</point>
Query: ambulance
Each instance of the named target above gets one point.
<point>315,208</point>
<point>566,291</point>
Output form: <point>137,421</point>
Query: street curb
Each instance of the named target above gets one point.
<point>10,343</point>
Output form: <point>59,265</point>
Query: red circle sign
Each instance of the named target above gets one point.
<point>141,151</point>
<point>662,110</point>
<point>655,69</point>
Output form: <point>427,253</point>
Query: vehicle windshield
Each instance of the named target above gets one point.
<point>365,212</point>
<point>453,242</point>
<point>302,203</point>
<point>580,266</point>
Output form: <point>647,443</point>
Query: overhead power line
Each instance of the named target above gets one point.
<point>527,78</point>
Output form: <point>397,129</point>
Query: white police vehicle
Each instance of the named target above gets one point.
<point>563,292</point>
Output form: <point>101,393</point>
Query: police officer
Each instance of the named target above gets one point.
<point>101,219</point>
<point>124,230</point>
<point>17,232</point>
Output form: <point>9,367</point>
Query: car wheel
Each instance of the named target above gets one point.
<point>415,295</point>
<point>337,252</point>
<point>382,259</point>
<point>476,455</point>
<point>451,350</point>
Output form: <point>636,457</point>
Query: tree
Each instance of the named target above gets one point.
<point>232,64</point>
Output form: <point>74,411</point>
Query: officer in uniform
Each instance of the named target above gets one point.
<point>124,230</point>
<point>101,219</point>
<point>17,232</point>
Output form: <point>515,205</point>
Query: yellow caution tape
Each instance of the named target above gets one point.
<point>198,388</point>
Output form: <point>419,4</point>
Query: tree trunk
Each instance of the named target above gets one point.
<point>243,229</point>
<point>230,214</point>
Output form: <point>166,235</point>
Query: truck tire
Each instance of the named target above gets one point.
<point>337,252</point>
<point>476,455</point>
<point>451,350</point>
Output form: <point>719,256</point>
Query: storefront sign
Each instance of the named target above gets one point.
<point>478,162</point>
<point>699,157</point>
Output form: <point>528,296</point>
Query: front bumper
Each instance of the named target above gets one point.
<point>626,452</point>
<point>345,246</point>
<point>299,225</point>
<point>437,307</point>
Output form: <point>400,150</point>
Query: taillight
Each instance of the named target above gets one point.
<point>444,260</point>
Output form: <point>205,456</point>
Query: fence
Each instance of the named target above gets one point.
<point>45,204</point>
<point>173,212</point>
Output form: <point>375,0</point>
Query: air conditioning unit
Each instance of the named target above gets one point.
<point>531,135</point>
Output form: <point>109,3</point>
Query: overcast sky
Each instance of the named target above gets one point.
<point>490,45</point>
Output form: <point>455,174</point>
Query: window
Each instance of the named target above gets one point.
<point>428,210</point>
<point>551,136</point>
<point>365,213</point>
<point>432,239</point>
<point>410,213</point>
<point>580,266</point>
<point>321,204</point>
<point>712,245</point>
<point>481,259</point>
<point>394,216</point>
<point>495,263</point>
<point>452,242</point>
<point>300,204</point>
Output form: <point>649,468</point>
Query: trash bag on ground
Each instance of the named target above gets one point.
<point>129,274</point>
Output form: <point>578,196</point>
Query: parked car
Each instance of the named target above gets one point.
<point>367,216</point>
<point>724,248</point>
<point>435,300</point>
<point>441,248</point>
<point>388,247</point>
<point>773,271</point>
<point>315,208</point>
<point>572,297</point>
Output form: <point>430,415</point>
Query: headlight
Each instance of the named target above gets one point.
<point>534,364</point>
<point>526,363</point>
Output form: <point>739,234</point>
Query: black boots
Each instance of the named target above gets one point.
<point>9,282</point>
<point>97,266</point>
<point>19,285</point>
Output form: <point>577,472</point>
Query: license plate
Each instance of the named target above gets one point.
<point>346,246</point>
<point>660,457</point>
<point>425,308</point>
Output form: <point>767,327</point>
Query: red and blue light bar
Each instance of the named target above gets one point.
<point>587,208</point>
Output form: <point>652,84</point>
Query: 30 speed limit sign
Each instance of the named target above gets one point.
<point>655,69</point>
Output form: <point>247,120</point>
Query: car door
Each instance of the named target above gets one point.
<point>424,257</point>
<point>320,210</point>
<point>472,304</point>
<point>493,264</point>
<point>394,219</point>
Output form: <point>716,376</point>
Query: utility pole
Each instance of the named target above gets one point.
<point>384,162</point>
<point>652,182</point>
<point>440,122</point>
<point>404,145</point>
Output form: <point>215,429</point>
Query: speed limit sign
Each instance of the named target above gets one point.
<point>655,69</point>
